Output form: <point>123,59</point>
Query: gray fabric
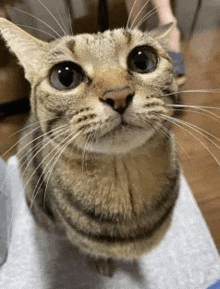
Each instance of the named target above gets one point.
<point>4,211</point>
<point>186,258</point>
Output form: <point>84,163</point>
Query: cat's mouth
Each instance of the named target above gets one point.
<point>121,139</point>
<point>126,124</point>
<point>122,127</point>
<point>118,137</point>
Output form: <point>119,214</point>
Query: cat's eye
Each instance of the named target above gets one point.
<point>66,75</point>
<point>142,59</point>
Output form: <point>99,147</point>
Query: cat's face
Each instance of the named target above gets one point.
<point>105,90</point>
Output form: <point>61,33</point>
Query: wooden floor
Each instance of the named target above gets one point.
<point>199,151</point>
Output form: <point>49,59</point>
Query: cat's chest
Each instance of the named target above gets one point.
<point>121,185</point>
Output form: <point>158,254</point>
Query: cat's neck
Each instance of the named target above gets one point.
<point>115,180</point>
<point>154,152</point>
<point>138,175</point>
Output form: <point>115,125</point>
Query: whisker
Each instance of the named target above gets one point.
<point>18,142</point>
<point>27,126</point>
<point>152,12</point>
<point>47,176</point>
<point>25,135</point>
<point>33,149</point>
<point>194,90</point>
<point>156,114</point>
<point>130,14</point>
<point>69,9</point>
<point>174,121</point>
<point>42,160</point>
<point>43,176</point>
<point>37,29</point>
<point>51,14</point>
<point>18,201</point>
<point>199,130</point>
<point>66,33</point>
<point>72,137</point>
<point>166,132</point>
<point>195,111</point>
<point>70,21</point>
<point>132,24</point>
<point>199,107</point>
<point>38,20</point>
<point>43,134</point>
<point>84,152</point>
<point>62,148</point>
<point>20,149</point>
<point>49,141</point>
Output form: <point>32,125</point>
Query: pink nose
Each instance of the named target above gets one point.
<point>118,98</point>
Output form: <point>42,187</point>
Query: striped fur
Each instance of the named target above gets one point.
<point>127,227</point>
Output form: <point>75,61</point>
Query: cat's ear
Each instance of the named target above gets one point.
<point>163,33</point>
<point>29,50</point>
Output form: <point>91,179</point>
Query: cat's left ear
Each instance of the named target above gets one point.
<point>29,50</point>
<point>163,33</point>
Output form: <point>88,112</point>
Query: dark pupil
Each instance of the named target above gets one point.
<point>66,76</point>
<point>141,60</point>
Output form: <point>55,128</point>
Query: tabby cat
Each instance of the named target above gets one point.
<point>97,157</point>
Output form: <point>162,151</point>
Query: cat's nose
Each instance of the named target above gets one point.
<point>118,98</point>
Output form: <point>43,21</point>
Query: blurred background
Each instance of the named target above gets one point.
<point>199,151</point>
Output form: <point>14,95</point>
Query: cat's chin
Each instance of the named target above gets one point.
<point>120,141</point>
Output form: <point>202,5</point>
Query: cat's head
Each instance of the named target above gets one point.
<point>104,92</point>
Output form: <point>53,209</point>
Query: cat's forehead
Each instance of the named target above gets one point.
<point>100,46</point>
<point>110,38</point>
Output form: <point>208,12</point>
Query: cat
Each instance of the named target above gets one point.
<point>97,157</point>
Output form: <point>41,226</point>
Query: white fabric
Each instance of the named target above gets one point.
<point>186,259</point>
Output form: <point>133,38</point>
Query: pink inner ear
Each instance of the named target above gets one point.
<point>162,29</point>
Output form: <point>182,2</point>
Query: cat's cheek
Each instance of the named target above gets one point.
<point>57,105</point>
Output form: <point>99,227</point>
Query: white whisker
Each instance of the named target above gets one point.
<point>47,176</point>
<point>56,131</point>
<point>66,33</point>
<point>41,162</point>
<point>206,113</point>
<point>27,126</point>
<point>84,152</point>
<point>200,131</point>
<point>130,14</point>
<point>36,29</point>
<point>18,201</point>
<point>199,107</point>
<point>152,12</point>
<point>43,176</point>
<point>166,132</point>
<point>70,21</point>
<point>52,15</point>
<point>50,141</point>
<point>29,134</point>
<point>195,91</point>
<point>174,121</point>
<point>132,24</point>
<point>38,20</point>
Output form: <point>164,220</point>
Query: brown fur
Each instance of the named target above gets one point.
<point>112,188</point>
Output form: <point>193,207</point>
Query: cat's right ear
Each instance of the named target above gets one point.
<point>29,50</point>
<point>163,33</point>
